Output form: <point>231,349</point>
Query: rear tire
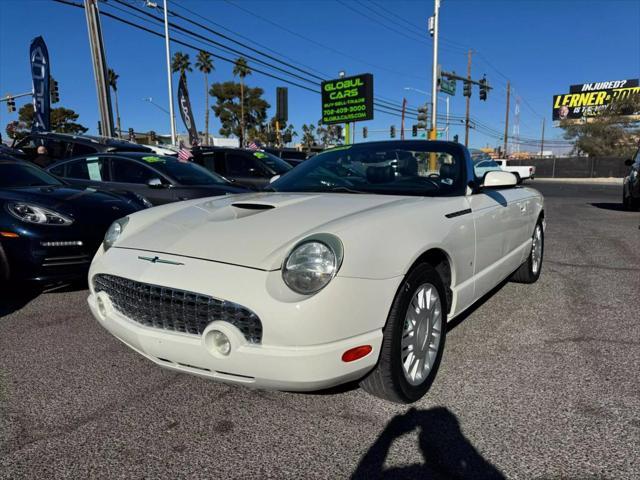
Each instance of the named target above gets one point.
<point>518,178</point>
<point>529,271</point>
<point>414,339</point>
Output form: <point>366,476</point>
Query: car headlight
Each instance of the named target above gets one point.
<point>312,264</point>
<point>30,213</point>
<point>114,232</point>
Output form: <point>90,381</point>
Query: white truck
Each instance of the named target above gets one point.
<point>523,173</point>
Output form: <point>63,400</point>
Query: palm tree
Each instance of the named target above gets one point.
<point>204,63</point>
<point>181,63</point>
<point>241,69</point>
<point>112,78</point>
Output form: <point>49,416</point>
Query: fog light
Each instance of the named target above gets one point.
<point>356,353</point>
<point>102,308</point>
<point>220,342</point>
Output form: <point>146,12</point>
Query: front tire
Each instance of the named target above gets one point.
<point>529,271</point>
<point>414,339</point>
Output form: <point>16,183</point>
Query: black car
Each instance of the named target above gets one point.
<point>50,231</point>
<point>159,179</point>
<point>631,185</point>
<point>62,145</point>
<point>253,169</point>
<point>290,155</point>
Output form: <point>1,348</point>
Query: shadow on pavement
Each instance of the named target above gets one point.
<point>609,206</point>
<point>481,301</point>
<point>446,452</point>
<point>15,297</point>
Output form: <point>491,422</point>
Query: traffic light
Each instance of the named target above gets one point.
<point>466,91</point>
<point>338,130</point>
<point>132,135</point>
<point>392,131</point>
<point>422,117</point>
<point>455,138</point>
<point>282,104</point>
<point>152,135</point>
<point>11,104</point>
<point>365,132</point>
<point>53,89</point>
<point>483,88</point>
<point>414,131</point>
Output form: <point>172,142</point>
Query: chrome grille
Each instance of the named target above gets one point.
<point>173,309</point>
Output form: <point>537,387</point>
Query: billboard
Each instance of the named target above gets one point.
<point>347,99</point>
<point>587,99</point>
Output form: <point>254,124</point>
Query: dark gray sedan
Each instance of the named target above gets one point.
<point>159,179</point>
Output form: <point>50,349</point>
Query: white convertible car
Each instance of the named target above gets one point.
<point>346,268</point>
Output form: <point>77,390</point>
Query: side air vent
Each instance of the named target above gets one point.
<point>253,206</point>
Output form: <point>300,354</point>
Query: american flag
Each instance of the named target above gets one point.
<point>254,145</point>
<point>184,155</point>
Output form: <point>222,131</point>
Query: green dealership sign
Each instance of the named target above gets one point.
<point>347,99</point>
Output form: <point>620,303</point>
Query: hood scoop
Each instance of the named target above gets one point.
<point>238,210</point>
<point>253,206</point>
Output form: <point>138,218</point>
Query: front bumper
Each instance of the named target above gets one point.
<point>42,257</point>
<point>303,339</point>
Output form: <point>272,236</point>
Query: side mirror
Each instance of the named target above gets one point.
<point>496,179</point>
<point>628,162</point>
<point>274,178</point>
<point>155,182</point>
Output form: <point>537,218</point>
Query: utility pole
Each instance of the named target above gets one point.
<point>99,66</point>
<point>434,80</point>
<point>404,107</point>
<point>169,79</point>
<point>506,121</point>
<point>542,142</point>
<point>466,122</point>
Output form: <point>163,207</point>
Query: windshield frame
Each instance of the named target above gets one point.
<point>456,150</point>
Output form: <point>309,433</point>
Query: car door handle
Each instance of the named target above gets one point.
<point>523,207</point>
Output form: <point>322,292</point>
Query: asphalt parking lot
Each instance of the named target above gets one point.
<point>538,382</point>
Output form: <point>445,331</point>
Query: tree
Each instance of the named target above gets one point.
<point>63,120</point>
<point>181,63</point>
<point>204,63</point>
<point>308,136</point>
<point>329,134</point>
<point>230,108</point>
<point>241,69</point>
<point>113,83</point>
<point>612,132</point>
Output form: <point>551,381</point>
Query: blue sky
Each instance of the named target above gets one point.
<point>542,47</point>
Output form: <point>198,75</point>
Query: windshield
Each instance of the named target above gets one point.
<point>184,173</point>
<point>13,175</point>
<point>276,164</point>
<point>388,168</point>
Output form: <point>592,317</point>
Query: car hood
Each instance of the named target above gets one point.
<point>84,204</point>
<point>253,230</point>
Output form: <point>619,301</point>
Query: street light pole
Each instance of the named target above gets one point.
<point>434,85</point>
<point>169,79</point>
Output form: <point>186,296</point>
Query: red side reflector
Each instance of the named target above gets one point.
<point>356,353</point>
<point>9,235</point>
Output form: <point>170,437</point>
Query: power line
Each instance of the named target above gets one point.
<point>375,20</point>
<point>208,20</point>
<point>326,47</point>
